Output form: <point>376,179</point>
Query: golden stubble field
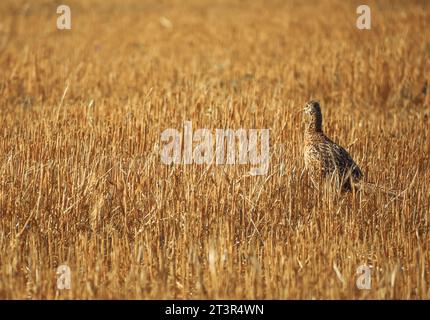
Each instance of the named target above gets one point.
<point>82,184</point>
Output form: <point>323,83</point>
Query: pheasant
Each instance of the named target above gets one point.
<point>324,159</point>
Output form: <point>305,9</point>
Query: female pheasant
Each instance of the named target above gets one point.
<point>324,159</point>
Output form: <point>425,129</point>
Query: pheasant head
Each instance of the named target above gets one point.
<point>313,117</point>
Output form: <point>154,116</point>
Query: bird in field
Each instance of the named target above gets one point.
<point>325,160</point>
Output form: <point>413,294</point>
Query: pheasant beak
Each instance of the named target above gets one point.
<point>306,110</point>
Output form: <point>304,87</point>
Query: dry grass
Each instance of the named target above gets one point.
<point>81,181</point>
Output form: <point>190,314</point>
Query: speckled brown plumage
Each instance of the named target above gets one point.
<point>324,159</point>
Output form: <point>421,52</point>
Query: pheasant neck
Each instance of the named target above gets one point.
<point>314,126</point>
